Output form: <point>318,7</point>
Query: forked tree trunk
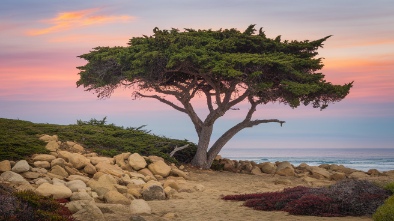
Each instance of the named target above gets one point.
<point>200,159</point>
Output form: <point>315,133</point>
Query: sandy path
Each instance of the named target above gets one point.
<point>207,205</point>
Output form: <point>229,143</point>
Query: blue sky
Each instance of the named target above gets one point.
<point>41,39</point>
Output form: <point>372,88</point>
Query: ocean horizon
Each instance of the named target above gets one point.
<point>364,159</point>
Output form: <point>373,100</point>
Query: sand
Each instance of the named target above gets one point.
<point>208,205</point>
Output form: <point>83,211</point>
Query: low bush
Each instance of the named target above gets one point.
<point>345,198</point>
<point>386,211</point>
<point>28,206</point>
<point>390,187</point>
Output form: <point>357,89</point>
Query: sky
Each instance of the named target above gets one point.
<point>40,41</point>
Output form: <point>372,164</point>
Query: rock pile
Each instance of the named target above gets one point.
<point>99,188</point>
<point>308,173</point>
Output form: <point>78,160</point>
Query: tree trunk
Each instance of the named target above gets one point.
<point>201,158</point>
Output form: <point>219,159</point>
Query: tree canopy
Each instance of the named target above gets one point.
<point>224,66</point>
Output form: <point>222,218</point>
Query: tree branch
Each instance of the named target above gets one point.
<point>176,149</point>
<point>176,107</point>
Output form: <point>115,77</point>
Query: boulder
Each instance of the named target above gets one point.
<point>338,176</point>
<point>58,161</point>
<point>30,175</point>
<point>153,159</point>
<point>160,168</point>
<point>256,170</point>
<point>104,184</point>
<point>13,177</point>
<point>318,172</point>
<point>56,191</point>
<point>135,191</point>
<point>44,157</point>
<point>90,169</point>
<point>111,169</point>
<point>58,170</point>
<point>5,165</point>
<point>146,172</point>
<point>77,148</point>
<point>228,165</point>
<point>267,167</point>
<point>153,191</point>
<point>21,166</point>
<point>78,161</point>
<point>80,196</point>
<point>374,172</point>
<point>47,138</point>
<point>64,154</point>
<point>78,177</point>
<point>42,164</point>
<point>52,146</point>
<point>285,169</point>
<point>85,210</point>
<point>136,161</point>
<point>114,197</point>
<point>76,185</point>
<point>180,173</point>
<point>140,206</point>
<point>96,160</point>
<point>358,175</point>
<point>72,171</point>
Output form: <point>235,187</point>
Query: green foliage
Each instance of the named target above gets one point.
<point>271,69</point>
<point>19,139</point>
<point>390,187</point>
<point>386,211</point>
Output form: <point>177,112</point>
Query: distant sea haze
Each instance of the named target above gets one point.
<point>360,159</point>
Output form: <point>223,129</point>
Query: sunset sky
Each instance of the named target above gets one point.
<point>40,41</point>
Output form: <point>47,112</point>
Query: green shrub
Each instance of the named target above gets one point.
<point>390,186</point>
<point>386,211</point>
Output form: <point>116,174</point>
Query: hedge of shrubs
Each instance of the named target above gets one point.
<point>345,198</point>
<point>28,206</point>
<point>386,211</point>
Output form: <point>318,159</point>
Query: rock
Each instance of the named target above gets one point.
<point>170,216</point>
<point>121,189</point>
<point>76,185</point>
<point>115,197</point>
<point>52,146</point>
<point>119,209</point>
<point>42,164</point>
<point>96,160</point>
<point>160,168</point>
<point>267,167</point>
<point>153,159</point>
<point>140,206</point>
<point>64,155</point>
<point>56,191</point>
<point>44,157</point>
<point>285,169</point>
<point>318,173</point>
<point>47,138</point>
<point>228,165</point>
<point>171,183</point>
<point>104,184</point>
<point>77,148</point>
<point>21,166</point>
<point>40,181</point>
<point>30,175</point>
<point>58,170</point>
<point>13,177</point>
<point>146,172</point>
<point>39,170</point>
<point>58,182</point>
<point>5,165</point>
<point>114,170</point>
<point>153,191</point>
<point>72,171</point>
<point>78,161</point>
<point>78,177</point>
<point>135,191</point>
<point>90,169</point>
<point>85,210</point>
<point>80,196</point>
<point>358,175</point>
<point>256,171</point>
<point>374,172</point>
<point>338,176</point>
<point>136,161</point>
<point>138,182</point>
<point>58,161</point>
<point>180,173</point>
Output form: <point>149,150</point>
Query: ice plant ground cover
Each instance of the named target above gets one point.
<point>345,198</point>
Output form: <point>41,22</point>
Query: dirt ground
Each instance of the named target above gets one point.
<point>208,205</point>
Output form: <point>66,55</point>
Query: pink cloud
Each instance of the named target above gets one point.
<point>75,19</point>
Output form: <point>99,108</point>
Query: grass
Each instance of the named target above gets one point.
<point>19,139</point>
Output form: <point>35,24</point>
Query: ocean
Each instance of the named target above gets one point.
<point>360,159</point>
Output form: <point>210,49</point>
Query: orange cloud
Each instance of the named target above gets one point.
<point>70,20</point>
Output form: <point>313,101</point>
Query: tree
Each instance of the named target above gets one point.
<point>226,67</point>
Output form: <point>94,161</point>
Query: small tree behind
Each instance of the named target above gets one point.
<point>226,67</point>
